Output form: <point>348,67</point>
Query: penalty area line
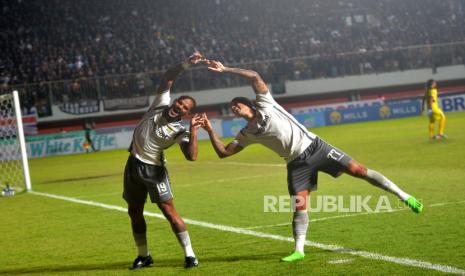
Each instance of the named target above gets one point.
<point>237,230</point>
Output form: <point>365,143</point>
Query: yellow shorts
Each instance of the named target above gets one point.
<point>436,115</point>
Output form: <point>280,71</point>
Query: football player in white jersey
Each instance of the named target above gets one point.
<point>305,153</point>
<point>145,172</point>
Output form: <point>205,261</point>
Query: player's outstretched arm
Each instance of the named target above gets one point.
<point>221,150</point>
<point>172,73</point>
<point>190,150</point>
<point>258,85</point>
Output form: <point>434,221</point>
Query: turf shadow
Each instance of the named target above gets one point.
<point>80,178</point>
<point>66,268</point>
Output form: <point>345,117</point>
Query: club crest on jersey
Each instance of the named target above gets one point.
<point>263,123</point>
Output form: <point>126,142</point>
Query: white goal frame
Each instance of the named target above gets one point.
<point>21,139</point>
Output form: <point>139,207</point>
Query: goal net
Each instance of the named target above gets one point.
<point>13,157</point>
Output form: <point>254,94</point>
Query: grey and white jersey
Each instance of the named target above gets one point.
<point>276,129</point>
<point>153,134</point>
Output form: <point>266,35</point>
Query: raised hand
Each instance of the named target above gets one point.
<point>196,58</point>
<point>197,121</point>
<point>216,66</point>
<point>206,123</point>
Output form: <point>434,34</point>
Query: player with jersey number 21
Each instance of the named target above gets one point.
<point>145,172</point>
<point>306,154</point>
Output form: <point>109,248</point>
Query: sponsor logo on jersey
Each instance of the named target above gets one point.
<point>165,132</point>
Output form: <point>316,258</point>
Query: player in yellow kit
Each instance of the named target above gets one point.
<point>434,112</point>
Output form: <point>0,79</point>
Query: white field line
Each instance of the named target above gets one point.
<point>100,195</point>
<point>222,180</point>
<point>185,185</point>
<point>340,261</point>
<point>237,230</point>
<point>327,218</point>
<point>446,203</point>
<point>354,215</point>
<point>235,164</point>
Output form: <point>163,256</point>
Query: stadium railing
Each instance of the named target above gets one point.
<point>85,93</point>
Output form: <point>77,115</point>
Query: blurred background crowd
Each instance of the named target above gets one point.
<point>54,40</point>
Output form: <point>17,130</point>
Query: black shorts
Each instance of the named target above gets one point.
<point>141,179</point>
<point>302,172</point>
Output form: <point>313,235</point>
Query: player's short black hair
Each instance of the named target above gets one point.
<point>244,100</point>
<point>429,83</point>
<point>189,98</point>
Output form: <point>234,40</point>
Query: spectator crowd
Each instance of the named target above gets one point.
<point>53,40</point>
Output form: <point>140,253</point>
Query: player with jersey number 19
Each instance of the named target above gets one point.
<point>145,172</point>
<point>306,154</point>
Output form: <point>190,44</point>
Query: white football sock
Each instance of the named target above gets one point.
<point>380,181</point>
<point>185,242</point>
<point>141,244</point>
<point>299,227</point>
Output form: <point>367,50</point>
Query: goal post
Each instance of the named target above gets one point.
<point>13,154</point>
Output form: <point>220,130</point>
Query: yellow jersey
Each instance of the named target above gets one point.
<point>433,93</point>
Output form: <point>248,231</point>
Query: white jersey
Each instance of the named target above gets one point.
<point>153,134</point>
<point>276,129</point>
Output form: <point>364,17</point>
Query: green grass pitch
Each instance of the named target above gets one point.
<point>42,235</point>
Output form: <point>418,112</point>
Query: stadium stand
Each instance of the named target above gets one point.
<point>56,40</point>
<point>70,52</point>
